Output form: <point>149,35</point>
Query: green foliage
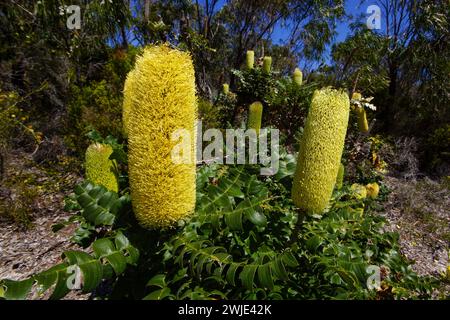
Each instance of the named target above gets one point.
<point>210,114</point>
<point>245,241</point>
<point>97,106</point>
<point>438,147</point>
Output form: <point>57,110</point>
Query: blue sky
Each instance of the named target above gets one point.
<point>353,7</point>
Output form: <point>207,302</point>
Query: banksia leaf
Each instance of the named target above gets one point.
<point>321,148</point>
<point>255,116</point>
<point>298,76</point>
<point>267,64</point>
<point>372,190</point>
<point>363,125</point>
<point>250,59</point>
<point>225,88</point>
<point>127,101</point>
<point>340,177</point>
<point>162,188</point>
<point>99,168</point>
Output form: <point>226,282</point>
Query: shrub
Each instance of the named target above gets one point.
<point>438,150</point>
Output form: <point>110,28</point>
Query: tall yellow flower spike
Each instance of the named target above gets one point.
<point>363,124</point>
<point>321,150</point>
<point>250,59</point>
<point>255,116</point>
<point>164,101</point>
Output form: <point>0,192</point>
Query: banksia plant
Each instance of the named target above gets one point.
<point>250,59</point>
<point>255,116</point>
<point>298,76</point>
<point>99,168</point>
<point>372,190</point>
<point>340,177</point>
<point>127,101</point>
<point>267,64</point>
<point>321,148</point>
<point>225,88</point>
<point>162,189</point>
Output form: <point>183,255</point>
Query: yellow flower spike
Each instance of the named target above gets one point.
<point>356,96</point>
<point>164,101</point>
<point>298,76</point>
<point>267,64</point>
<point>225,88</point>
<point>363,125</point>
<point>250,59</point>
<point>99,168</point>
<point>255,116</point>
<point>321,149</point>
<point>372,190</point>
<point>358,191</point>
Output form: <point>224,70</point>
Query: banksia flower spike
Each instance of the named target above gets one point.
<point>358,191</point>
<point>99,168</point>
<point>250,59</point>
<point>363,125</point>
<point>162,189</point>
<point>225,88</point>
<point>267,64</point>
<point>356,96</point>
<point>127,101</point>
<point>372,190</point>
<point>298,76</point>
<point>321,150</point>
<point>255,116</point>
<point>340,177</point>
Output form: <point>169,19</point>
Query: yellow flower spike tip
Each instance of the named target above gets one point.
<point>99,168</point>
<point>255,116</point>
<point>127,101</point>
<point>340,177</point>
<point>164,101</point>
<point>250,59</point>
<point>225,88</point>
<point>298,76</point>
<point>372,190</point>
<point>363,125</point>
<point>267,64</point>
<point>358,191</point>
<point>356,96</point>
<point>321,149</point>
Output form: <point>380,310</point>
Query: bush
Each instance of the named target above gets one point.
<point>438,150</point>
